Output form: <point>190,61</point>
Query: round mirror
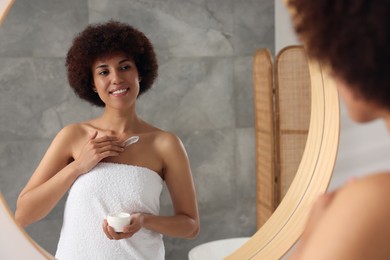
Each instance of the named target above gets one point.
<point>215,52</point>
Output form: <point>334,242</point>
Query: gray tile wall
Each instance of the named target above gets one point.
<point>203,94</point>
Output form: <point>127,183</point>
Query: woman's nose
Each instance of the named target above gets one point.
<point>116,78</point>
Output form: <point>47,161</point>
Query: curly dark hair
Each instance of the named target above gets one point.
<point>353,37</point>
<point>101,39</point>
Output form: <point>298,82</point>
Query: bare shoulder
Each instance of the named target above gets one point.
<point>72,132</point>
<point>169,146</point>
<point>367,198</point>
<point>165,139</point>
<point>357,218</point>
<point>161,139</point>
<point>71,129</point>
<point>373,190</point>
<point>70,137</point>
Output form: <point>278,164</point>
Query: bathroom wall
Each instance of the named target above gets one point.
<point>203,94</point>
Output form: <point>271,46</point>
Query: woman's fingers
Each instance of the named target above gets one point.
<point>106,138</point>
<point>109,147</point>
<point>112,235</point>
<point>105,229</point>
<point>123,235</point>
<point>108,150</point>
<point>96,149</point>
<point>106,143</point>
<point>106,146</point>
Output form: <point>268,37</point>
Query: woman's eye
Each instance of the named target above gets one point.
<point>126,67</point>
<point>103,73</point>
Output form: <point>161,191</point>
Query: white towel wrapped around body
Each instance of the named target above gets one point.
<point>110,188</point>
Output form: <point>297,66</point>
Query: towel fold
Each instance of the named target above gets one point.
<point>110,188</point>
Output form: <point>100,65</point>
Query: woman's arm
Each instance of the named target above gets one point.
<point>185,221</point>
<point>353,223</point>
<point>56,173</point>
<point>177,174</point>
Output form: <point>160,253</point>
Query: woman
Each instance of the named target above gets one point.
<point>352,37</point>
<point>111,65</point>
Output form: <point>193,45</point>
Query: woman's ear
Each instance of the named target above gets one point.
<point>93,88</point>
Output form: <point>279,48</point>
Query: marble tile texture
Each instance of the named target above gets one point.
<point>203,94</point>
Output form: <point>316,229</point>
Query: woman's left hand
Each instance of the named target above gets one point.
<point>128,231</point>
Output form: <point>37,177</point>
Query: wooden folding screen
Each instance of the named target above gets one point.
<point>282,96</point>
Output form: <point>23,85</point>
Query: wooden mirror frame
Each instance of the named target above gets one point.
<point>15,243</point>
<point>284,227</point>
<point>286,224</point>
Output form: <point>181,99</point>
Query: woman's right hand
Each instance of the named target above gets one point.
<point>96,149</point>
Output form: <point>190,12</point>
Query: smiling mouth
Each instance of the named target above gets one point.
<point>119,91</point>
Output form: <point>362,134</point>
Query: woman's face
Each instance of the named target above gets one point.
<point>360,110</point>
<point>116,80</point>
